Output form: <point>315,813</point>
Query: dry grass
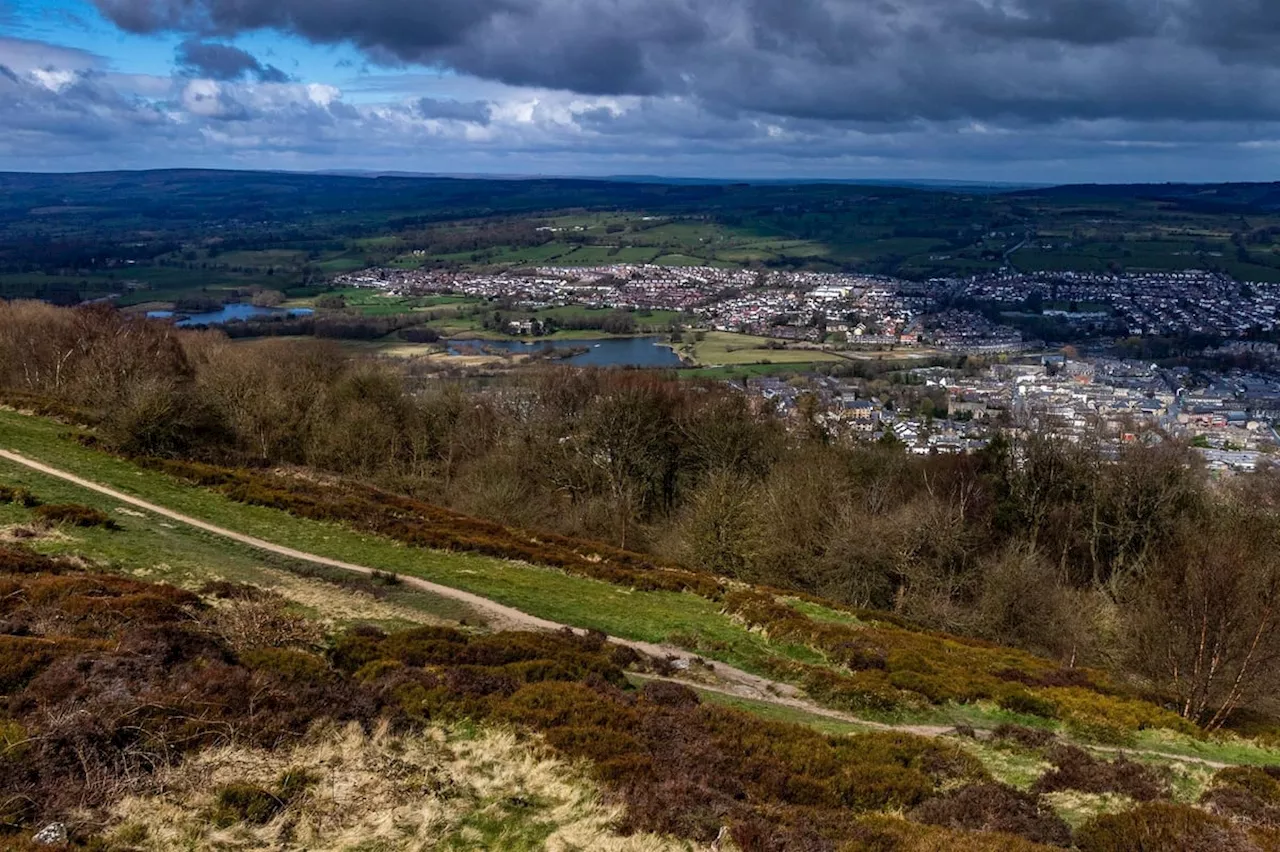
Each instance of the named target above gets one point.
<point>436,789</point>
<point>1078,808</point>
<point>30,533</point>
<point>333,605</point>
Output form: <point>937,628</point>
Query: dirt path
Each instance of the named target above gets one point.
<point>725,680</point>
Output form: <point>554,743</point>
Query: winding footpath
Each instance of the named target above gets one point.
<point>728,680</point>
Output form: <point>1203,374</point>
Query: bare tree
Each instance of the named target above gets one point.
<point>1205,618</point>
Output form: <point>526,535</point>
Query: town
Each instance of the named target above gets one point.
<point>1009,381</point>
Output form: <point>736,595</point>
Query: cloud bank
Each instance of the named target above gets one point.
<point>1037,89</point>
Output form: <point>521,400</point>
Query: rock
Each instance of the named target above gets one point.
<point>53,834</point>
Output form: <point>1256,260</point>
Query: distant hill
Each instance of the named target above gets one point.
<point>1222,197</point>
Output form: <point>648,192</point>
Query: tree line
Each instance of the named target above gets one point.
<point>1128,558</point>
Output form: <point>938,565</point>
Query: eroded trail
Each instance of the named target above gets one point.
<point>722,678</point>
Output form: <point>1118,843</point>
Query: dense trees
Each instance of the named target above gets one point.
<point>1124,557</point>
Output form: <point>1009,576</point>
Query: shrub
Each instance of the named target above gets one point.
<point>1076,769</point>
<point>890,834</point>
<point>239,802</point>
<point>263,623</point>
<point>892,666</point>
<point>1022,735</point>
<point>1159,827</point>
<point>1019,700</point>
<point>24,657</point>
<point>1251,779</point>
<point>227,591</point>
<point>1084,708</point>
<point>1245,793</point>
<point>670,694</point>
<point>20,560</point>
<point>995,807</point>
<point>1096,729</point>
<point>289,666</point>
<point>20,496</point>
<point>74,515</point>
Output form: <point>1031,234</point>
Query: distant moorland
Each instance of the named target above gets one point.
<point>160,235</point>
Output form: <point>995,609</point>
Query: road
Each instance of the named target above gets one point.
<point>722,679</point>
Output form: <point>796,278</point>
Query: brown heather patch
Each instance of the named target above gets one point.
<point>127,679</point>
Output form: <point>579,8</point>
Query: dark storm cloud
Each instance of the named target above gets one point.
<point>224,62</point>
<point>475,112</point>
<point>855,60</point>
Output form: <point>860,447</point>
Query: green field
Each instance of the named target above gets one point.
<point>723,349</point>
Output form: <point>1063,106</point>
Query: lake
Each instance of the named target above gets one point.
<point>229,313</point>
<point>603,352</point>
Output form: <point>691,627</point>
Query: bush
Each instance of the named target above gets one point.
<point>670,694</point>
<point>226,591</point>
<point>19,560</point>
<point>19,496</point>
<point>995,807</point>
<point>1023,736</point>
<point>1159,827</point>
<point>890,834</point>
<point>1018,700</point>
<point>1076,769</point>
<point>238,802</point>
<point>1245,793</point>
<point>1252,779</point>
<point>74,515</point>
<point>1087,708</point>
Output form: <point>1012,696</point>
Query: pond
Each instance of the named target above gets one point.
<point>228,313</point>
<point>603,352</point>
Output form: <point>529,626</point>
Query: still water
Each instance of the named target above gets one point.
<point>229,313</point>
<point>605,352</point>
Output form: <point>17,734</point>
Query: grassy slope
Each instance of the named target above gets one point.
<point>648,616</point>
<point>175,553</point>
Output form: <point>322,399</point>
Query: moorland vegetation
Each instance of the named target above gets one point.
<point>1133,563</point>
<point>112,685</point>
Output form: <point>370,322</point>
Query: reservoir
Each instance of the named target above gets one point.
<point>230,313</point>
<point>603,352</point>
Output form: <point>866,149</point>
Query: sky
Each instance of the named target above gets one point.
<point>1046,91</point>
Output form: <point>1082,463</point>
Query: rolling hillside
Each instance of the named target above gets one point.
<point>862,714</point>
